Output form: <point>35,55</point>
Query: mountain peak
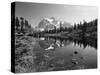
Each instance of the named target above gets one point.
<point>48,19</point>
<point>52,18</point>
<point>51,23</point>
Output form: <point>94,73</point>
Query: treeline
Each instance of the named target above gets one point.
<point>56,30</point>
<point>86,25</point>
<point>22,26</point>
<point>85,28</point>
<point>80,28</point>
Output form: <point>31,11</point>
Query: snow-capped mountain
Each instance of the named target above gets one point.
<point>51,23</point>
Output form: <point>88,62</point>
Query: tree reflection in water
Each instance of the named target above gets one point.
<point>60,42</point>
<point>48,59</point>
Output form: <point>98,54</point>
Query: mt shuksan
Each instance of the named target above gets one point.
<point>51,23</point>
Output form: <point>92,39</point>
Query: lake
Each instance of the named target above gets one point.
<point>55,53</point>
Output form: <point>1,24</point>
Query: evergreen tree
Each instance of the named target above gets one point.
<point>22,24</point>
<point>26,24</point>
<point>17,23</point>
<point>75,27</point>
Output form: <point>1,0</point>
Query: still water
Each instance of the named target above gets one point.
<point>53,54</point>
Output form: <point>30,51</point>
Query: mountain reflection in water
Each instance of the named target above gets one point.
<point>54,54</point>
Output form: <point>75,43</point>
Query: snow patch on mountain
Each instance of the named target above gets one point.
<point>51,23</point>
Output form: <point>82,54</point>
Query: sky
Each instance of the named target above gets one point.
<point>35,12</point>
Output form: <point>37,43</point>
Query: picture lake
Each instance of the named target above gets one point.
<point>56,53</point>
